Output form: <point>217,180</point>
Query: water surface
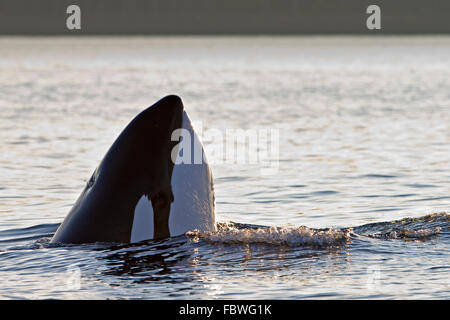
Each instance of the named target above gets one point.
<point>364,144</point>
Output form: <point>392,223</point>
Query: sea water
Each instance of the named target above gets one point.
<point>357,205</point>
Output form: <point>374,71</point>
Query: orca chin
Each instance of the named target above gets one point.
<point>144,188</point>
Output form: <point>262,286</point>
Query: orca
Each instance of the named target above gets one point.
<point>139,191</point>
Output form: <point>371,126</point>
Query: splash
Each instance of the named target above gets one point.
<point>232,233</point>
<point>398,233</point>
<point>421,228</point>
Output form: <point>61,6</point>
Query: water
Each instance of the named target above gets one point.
<point>364,144</point>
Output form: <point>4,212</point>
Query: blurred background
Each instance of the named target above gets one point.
<point>169,17</point>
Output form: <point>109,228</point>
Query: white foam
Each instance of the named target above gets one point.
<point>228,233</point>
<point>409,234</point>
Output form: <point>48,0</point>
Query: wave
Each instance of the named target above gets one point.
<point>233,233</point>
<point>421,228</point>
<point>28,233</point>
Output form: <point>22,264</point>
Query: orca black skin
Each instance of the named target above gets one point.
<point>138,163</point>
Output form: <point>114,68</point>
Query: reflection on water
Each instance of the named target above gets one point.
<point>193,267</point>
<point>145,263</point>
<point>364,141</point>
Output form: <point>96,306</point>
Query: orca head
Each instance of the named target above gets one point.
<point>145,149</point>
<point>192,187</point>
<point>138,163</point>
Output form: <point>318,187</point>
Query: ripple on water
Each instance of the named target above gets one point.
<point>184,265</point>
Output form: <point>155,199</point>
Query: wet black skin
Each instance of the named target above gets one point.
<point>138,163</point>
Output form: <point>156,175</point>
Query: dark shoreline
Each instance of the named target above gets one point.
<point>219,17</point>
